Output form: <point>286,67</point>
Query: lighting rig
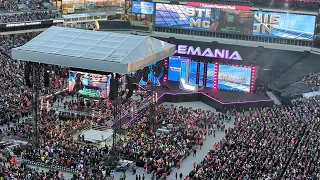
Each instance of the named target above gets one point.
<point>155,70</point>
<point>34,69</point>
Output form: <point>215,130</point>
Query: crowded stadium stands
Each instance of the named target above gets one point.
<point>154,139</point>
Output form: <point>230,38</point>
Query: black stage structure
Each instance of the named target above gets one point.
<point>221,100</point>
<point>88,50</point>
<point>218,99</point>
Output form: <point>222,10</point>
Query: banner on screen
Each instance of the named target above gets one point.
<point>234,78</point>
<point>204,18</point>
<point>290,26</point>
<point>219,6</point>
<point>142,7</point>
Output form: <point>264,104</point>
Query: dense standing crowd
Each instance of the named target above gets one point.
<point>305,159</point>
<point>180,129</point>
<point>15,95</point>
<point>264,141</point>
<point>313,80</point>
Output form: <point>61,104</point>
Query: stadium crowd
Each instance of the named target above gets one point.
<point>15,96</point>
<point>263,142</point>
<point>29,16</point>
<point>13,5</point>
<point>179,131</point>
<point>266,143</point>
<point>313,80</point>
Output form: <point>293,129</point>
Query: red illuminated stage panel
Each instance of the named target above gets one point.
<point>221,95</point>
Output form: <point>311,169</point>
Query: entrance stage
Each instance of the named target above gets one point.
<point>218,99</point>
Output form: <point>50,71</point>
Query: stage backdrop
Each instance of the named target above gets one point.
<point>234,78</point>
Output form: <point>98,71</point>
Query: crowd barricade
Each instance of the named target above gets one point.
<point>50,166</point>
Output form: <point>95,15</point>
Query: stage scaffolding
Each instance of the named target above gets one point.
<point>116,114</point>
<point>36,70</point>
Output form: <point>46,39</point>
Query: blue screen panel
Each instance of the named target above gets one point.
<point>290,26</point>
<point>201,73</point>
<point>212,19</point>
<point>210,75</point>
<point>174,67</point>
<point>193,72</point>
<point>142,7</point>
<point>234,78</point>
<point>183,74</point>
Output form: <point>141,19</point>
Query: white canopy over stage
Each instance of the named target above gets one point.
<point>93,50</point>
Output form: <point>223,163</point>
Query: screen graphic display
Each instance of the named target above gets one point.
<point>204,18</point>
<point>174,67</point>
<point>234,78</point>
<point>290,26</point>
<point>201,74</point>
<point>152,78</point>
<point>87,84</point>
<point>140,7</point>
<point>210,75</point>
<point>184,84</point>
<point>193,71</point>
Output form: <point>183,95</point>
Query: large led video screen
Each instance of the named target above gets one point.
<point>234,78</point>
<point>174,67</point>
<point>290,26</point>
<point>210,75</point>
<point>204,18</point>
<point>193,71</point>
<point>152,76</point>
<point>90,85</point>
<point>142,7</point>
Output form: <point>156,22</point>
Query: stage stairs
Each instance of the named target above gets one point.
<point>274,98</point>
